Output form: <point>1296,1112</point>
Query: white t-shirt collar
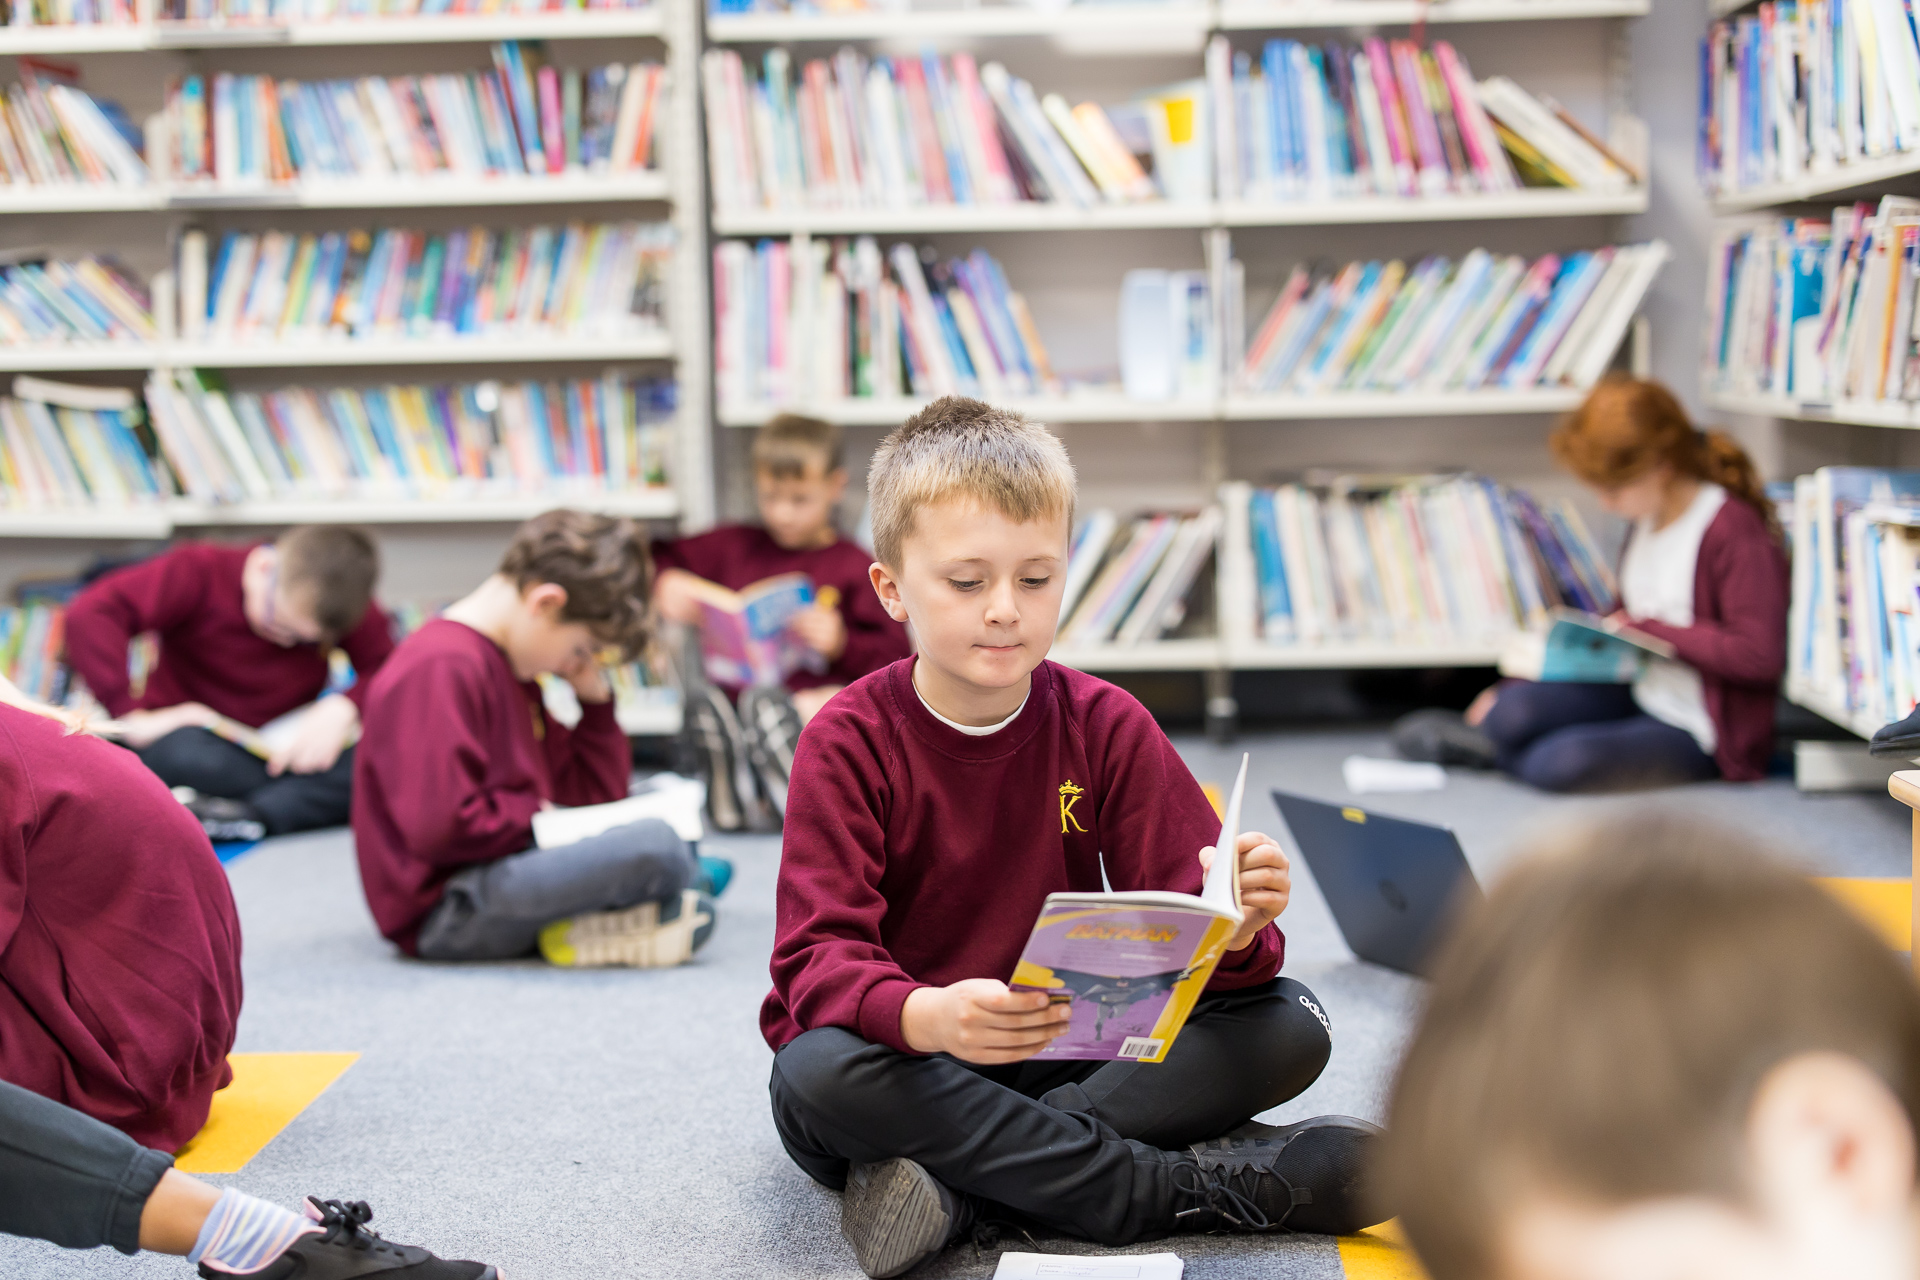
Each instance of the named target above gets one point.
<point>971,730</point>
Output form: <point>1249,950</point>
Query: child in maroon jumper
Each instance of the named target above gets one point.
<point>935,804</point>
<point>119,943</point>
<point>460,753</point>
<point>799,481</point>
<point>244,633</point>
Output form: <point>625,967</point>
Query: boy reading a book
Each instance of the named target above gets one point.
<point>460,752</point>
<point>1656,1053</point>
<point>799,480</point>
<point>244,636</point>
<point>935,804</point>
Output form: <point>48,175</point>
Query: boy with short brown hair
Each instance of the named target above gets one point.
<point>935,804</point>
<point>460,752</point>
<point>1657,1052</point>
<point>245,632</point>
<point>799,480</point>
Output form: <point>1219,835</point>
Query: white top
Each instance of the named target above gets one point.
<point>972,730</point>
<point>1656,581</point>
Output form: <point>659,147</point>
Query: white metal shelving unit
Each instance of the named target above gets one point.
<point>1093,31</point>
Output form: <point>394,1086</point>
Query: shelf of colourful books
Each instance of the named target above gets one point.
<point>447,29</point>
<point>1257,656</point>
<point>1395,404</point>
<point>1532,202</point>
<point>1280,15</point>
<point>1090,20</point>
<point>1862,413</point>
<point>890,411</point>
<point>1827,182</point>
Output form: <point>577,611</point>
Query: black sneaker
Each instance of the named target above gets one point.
<point>346,1250</point>
<point>896,1215</point>
<point>1303,1177</point>
<point>1442,737</point>
<point>772,729</point>
<point>226,820</point>
<point>1901,739</point>
<point>715,736</point>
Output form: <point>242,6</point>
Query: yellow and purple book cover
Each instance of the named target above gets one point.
<point>1133,965</point>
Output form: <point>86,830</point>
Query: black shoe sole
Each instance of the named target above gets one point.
<point>894,1216</point>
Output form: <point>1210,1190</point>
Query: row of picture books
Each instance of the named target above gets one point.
<point>1852,633</point>
<point>1389,118</point>
<point>1133,581</point>
<point>843,319</point>
<point>1801,87</point>
<point>61,13</point>
<point>1297,122</point>
<point>67,447</point>
<point>1404,560</point>
<point>1817,308</point>
<point>521,116</point>
<point>599,280</point>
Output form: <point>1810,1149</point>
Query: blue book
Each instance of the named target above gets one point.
<point>940,94</point>
<point>1318,304</point>
<point>543,433</point>
<point>1580,648</point>
<point>1281,114</point>
<point>379,414</point>
<point>956,346</point>
<point>1343,323</point>
<point>1276,604</point>
<point>1570,293</point>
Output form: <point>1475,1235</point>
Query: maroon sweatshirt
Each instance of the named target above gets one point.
<point>1738,640</point>
<point>454,760</point>
<point>208,651</point>
<point>119,944</point>
<point>917,855</point>
<point>739,555</point>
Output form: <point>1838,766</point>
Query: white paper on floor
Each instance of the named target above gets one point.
<point>1126,1266</point>
<point>1371,773</point>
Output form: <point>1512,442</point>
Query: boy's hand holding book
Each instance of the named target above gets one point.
<point>140,729</point>
<point>322,734</point>
<point>982,1021</point>
<point>820,628</point>
<point>1266,884</point>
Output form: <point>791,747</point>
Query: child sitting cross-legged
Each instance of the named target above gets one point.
<point>245,633</point>
<point>935,804</point>
<point>1658,1053</point>
<point>460,753</point>
<point>798,480</point>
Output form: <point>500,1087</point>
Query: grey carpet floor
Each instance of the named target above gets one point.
<point>581,1125</point>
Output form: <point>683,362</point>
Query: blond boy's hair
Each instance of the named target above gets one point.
<point>791,442</point>
<point>961,448</point>
<point>1597,1029</point>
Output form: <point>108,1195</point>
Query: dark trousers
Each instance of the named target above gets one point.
<point>67,1178</point>
<point>1087,1148</point>
<point>198,758</point>
<point>1589,737</point>
<point>495,910</point>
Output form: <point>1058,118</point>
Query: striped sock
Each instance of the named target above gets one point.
<point>242,1235</point>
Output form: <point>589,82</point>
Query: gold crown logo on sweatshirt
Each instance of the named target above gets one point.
<point>1069,797</point>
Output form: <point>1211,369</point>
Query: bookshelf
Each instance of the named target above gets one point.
<point>416,193</point>
<point>153,35</point>
<point>1067,259</point>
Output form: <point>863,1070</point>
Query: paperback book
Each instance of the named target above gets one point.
<point>743,634</point>
<point>1132,965</point>
<point>1581,648</point>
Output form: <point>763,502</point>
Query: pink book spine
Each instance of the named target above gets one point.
<point>1426,134</point>
<point>553,137</point>
<point>1482,144</point>
<point>974,101</point>
<point>1379,62</point>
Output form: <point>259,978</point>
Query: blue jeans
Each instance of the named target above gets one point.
<point>1589,737</point>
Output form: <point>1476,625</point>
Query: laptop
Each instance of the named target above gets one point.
<point>1393,885</point>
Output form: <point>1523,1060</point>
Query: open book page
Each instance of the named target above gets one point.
<point>1133,965</point>
<point>1576,646</point>
<point>674,800</point>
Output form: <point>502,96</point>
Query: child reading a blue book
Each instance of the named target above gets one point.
<point>1703,592</point>
<point>786,615</point>
<point>936,804</point>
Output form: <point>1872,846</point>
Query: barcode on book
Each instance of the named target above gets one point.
<point>1140,1047</point>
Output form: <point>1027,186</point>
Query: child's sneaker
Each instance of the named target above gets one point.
<point>715,875</point>
<point>345,1250</point>
<point>772,727</point>
<point>1298,1177</point>
<point>896,1215</point>
<point>227,820</point>
<point>652,935</point>
<point>721,752</point>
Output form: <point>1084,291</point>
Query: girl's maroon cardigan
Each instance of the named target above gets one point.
<point>1738,640</point>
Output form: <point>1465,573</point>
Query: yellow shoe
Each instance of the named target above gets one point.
<point>636,937</point>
